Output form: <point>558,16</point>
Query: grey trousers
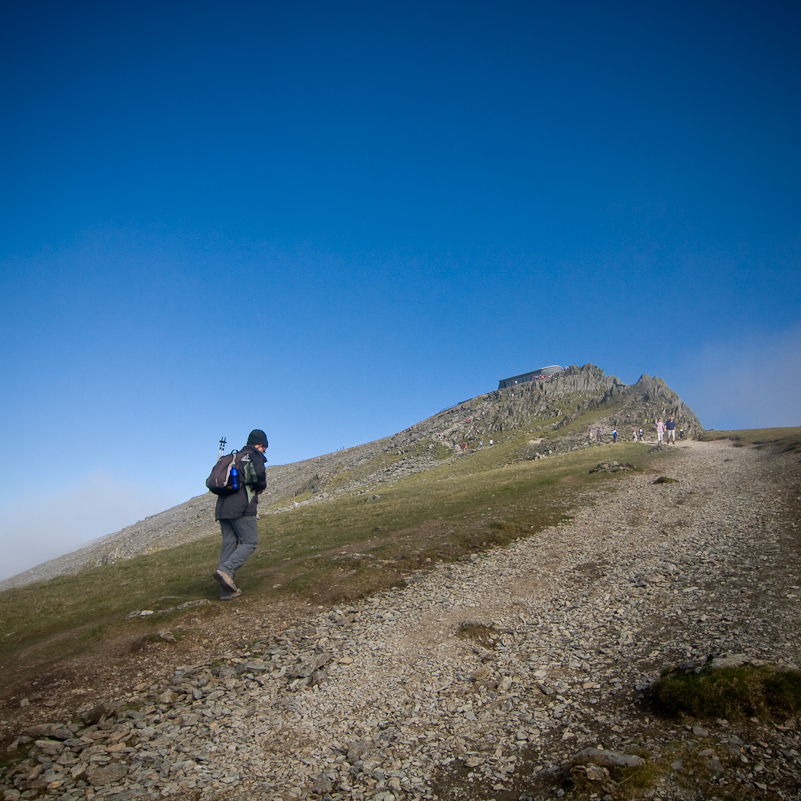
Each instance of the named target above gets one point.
<point>239,539</point>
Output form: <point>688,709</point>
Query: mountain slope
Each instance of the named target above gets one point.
<point>527,421</point>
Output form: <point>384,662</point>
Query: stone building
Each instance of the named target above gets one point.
<point>540,372</point>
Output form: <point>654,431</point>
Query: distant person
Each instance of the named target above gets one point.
<point>642,435</point>
<point>237,514</point>
<point>660,430</point>
<point>670,427</point>
<point>598,434</point>
<point>614,436</point>
<point>635,434</point>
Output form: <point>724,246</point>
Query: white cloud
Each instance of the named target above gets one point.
<point>40,525</point>
<point>750,383</point>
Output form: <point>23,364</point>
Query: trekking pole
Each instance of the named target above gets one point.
<point>222,447</point>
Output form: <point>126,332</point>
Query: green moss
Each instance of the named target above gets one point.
<point>732,693</point>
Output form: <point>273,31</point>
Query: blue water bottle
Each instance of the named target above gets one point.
<point>234,478</point>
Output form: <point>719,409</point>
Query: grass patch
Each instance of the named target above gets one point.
<point>732,693</point>
<point>585,781</point>
<point>780,439</point>
<point>379,462</point>
<point>485,635</point>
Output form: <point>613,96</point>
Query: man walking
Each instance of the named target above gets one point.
<point>670,427</point>
<point>237,514</point>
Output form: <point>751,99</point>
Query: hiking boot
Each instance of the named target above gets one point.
<point>231,596</point>
<point>225,580</point>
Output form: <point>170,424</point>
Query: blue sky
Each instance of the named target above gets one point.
<point>332,220</point>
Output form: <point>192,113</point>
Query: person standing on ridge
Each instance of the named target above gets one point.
<point>237,514</point>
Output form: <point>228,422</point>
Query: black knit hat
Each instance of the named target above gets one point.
<point>257,437</point>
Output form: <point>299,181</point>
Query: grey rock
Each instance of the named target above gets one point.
<point>609,759</point>
<point>734,661</point>
<point>99,776</point>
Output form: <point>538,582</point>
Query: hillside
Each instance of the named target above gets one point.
<point>430,618</point>
<point>531,420</point>
<point>519,672</point>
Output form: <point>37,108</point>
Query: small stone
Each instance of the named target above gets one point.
<point>101,776</point>
<point>322,785</point>
<point>610,759</point>
<point>595,773</point>
<point>480,674</point>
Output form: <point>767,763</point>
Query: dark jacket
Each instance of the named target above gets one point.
<point>236,505</point>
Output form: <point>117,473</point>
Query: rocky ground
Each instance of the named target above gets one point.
<point>488,679</point>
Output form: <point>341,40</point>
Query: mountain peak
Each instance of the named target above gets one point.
<point>544,415</point>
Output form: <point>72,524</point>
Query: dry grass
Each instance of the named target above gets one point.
<point>484,634</point>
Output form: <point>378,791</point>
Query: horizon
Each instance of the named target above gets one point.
<point>329,222</point>
<point>310,458</point>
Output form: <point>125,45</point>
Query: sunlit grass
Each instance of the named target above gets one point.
<point>784,439</point>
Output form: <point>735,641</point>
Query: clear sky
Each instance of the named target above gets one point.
<point>331,220</point>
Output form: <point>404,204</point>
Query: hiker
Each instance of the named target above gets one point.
<point>614,436</point>
<point>237,515</point>
<point>670,427</point>
<point>660,430</point>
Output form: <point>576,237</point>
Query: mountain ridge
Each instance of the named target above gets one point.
<point>547,416</point>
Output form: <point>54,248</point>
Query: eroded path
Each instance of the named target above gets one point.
<point>483,677</point>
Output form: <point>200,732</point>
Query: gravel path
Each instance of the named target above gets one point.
<point>485,678</point>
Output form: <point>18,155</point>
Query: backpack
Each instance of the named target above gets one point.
<point>220,480</point>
